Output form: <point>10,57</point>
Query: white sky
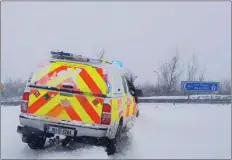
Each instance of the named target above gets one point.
<point>143,35</point>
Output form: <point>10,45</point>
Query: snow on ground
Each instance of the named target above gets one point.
<point>165,97</point>
<point>162,131</point>
<point>209,96</point>
<point>191,97</point>
<point>14,99</point>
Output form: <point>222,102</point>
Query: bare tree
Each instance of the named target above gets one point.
<point>170,74</point>
<point>131,77</point>
<point>13,88</point>
<point>148,89</point>
<point>225,87</point>
<point>192,69</point>
<point>202,75</point>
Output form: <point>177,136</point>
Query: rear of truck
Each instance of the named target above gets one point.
<point>68,99</point>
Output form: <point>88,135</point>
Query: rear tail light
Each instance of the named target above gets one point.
<point>25,96</point>
<point>106,114</point>
<point>106,108</point>
<point>24,102</point>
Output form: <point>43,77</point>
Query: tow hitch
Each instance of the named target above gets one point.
<point>57,140</point>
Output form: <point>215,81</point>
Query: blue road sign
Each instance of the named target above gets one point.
<point>200,86</point>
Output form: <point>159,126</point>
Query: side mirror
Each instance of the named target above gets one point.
<point>138,93</point>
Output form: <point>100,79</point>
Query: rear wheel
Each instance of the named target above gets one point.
<point>112,145</point>
<point>36,142</point>
<point>137,114</point>
<point>66,141</point>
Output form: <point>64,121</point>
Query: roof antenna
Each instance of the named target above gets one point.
<point>101,53</point>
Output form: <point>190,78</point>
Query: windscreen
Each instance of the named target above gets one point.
<point>71,76</point>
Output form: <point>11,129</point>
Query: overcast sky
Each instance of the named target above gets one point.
<point>143,35</point>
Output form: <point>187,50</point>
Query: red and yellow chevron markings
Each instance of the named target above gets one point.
<point>80,108</point>
<point>85,107</point>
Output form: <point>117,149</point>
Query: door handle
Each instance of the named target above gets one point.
<point>67,86</point>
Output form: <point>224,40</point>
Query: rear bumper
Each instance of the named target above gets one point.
<point>37,126</point>
<point>28,131</point>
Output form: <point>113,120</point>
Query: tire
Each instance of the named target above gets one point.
<point>112,145</point>
<point>137,114</point>
<point>66,141</point>
<point>36,142</point>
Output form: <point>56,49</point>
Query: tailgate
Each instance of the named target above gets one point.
<point>84,108</point>
<point>68,92</point>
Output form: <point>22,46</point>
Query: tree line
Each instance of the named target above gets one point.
<point>12,88</point>
<point>169,83</point>
<point>168,80</point>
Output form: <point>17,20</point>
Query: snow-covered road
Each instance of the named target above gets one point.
<point>161,131</point>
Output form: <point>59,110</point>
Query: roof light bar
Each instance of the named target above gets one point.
<point>61,55</point>
<point>79,58</point>
<point>118,63</point>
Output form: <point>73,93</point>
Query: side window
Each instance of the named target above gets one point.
<point>124,84</point>
<point>115,80</point>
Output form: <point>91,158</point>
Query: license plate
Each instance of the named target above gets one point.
<point>61,130</point>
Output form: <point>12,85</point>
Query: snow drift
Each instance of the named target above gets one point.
<point>162,131</point>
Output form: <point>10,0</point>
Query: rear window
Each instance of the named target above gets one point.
<point>71,76</point>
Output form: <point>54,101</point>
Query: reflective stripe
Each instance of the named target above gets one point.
<point>128,107</point>
<point>89,109</point>
<point>98,107</point>
<point>98,79</point>
<point>120,102</point>
<point>131,106</point>
<point>55,111</point>
<point>56,81</point>
<point>90,82</point>
<point>100,71</point>
<point>69,110</point>
<point>47,106</point>
<point>33,98</point>
<point>42,71</point>
<point>40,102</point>
<point>100,100</point>
<point>82,85</point>
<point>114,110</point>
<point>72,114</point>
<point>45,79</point>
<point>80,110</point>
<point>63,115</point>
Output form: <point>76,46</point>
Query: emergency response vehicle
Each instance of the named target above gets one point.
<point>79,98</point>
